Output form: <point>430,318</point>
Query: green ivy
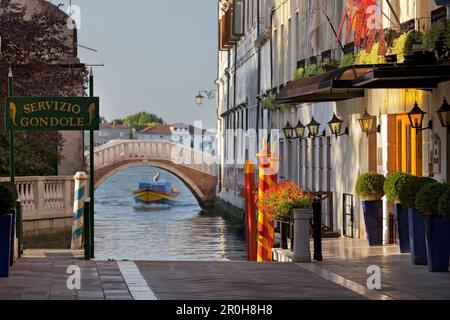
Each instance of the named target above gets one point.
<point>427,199</point>
<point>369,186</point>
<point>268,103</point>
<point>394,183</point>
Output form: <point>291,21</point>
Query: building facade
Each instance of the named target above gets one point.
<point>108,132</point>
<point>303,37</point>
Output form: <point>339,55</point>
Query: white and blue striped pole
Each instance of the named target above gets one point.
<point>81,180</point>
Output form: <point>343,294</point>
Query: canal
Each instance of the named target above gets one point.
<point>182,232</point>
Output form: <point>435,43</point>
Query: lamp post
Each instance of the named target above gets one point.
<point>416,116</point>
<point>444,115</point>
<point>366,124</point>
<point>200,98</point>
<point>336,126</point>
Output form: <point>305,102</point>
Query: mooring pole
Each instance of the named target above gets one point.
<point>317,227</point>
<point>92,173</point>
<point>12,170</point>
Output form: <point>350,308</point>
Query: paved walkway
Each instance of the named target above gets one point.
<point>399,279</point>
<point>42,274</point>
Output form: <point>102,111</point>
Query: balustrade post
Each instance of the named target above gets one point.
<point>39,195</point>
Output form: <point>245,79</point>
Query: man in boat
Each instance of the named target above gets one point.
<point>157,177</point>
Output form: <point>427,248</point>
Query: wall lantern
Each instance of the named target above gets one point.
<point>444,114</point>
<point>336,126</point>
<point>300,131</point>
<point>366,123</point>
<point>416,116</point>
<point>313,128</point>
<point>200,99</point>
<point>288,131</point>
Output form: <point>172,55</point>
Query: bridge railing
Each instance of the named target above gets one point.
<point>121,150</point>
<point>45,197</point>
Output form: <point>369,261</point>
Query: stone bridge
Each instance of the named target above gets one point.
<point>197,170</point>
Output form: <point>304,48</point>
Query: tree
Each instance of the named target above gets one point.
<point>142,120</point>
<point>33,46</point>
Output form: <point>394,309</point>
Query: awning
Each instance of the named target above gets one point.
<point>331,86</point>
<point>350,82</point>
<point>403,77</point>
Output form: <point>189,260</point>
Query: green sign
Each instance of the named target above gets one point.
<point>46,113</point>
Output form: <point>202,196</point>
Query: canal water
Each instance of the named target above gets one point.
<point>182,232</point>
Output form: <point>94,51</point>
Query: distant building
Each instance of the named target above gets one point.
<point>108,132</point>
<point>160,132</point>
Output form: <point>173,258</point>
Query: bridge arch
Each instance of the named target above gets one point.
<point>102,175</point>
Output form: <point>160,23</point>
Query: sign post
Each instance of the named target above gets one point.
<point>91,172</point>
<point>12,169</point>
<point>58,114</point>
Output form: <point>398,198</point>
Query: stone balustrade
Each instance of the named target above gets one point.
<point>120,150</point>
<point>47,202</point>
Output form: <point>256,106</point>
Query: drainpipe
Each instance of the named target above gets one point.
<point>258,106</point>
<point>269,112</point>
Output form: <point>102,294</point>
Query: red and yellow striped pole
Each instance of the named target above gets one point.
<point>251,210</point>
<point>268,177</point>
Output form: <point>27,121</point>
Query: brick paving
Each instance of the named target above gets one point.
<point>41,275</point>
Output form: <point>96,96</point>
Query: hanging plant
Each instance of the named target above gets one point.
<point>268,103</point>
<point>370,58</point>
<point>436,32</point>
<point>347,60</point>
<point>300,73</point>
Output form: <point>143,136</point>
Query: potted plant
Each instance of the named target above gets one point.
<point>416,220</point>
<point>369,188</point>
<point>285,200</point>
<point>437,224</point>
<point>8,198</point>
<point>394,183</point>
<point>279,202</point>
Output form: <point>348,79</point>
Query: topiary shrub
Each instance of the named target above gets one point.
<point>427,199</point>
<point>444,204</point>
<point>411,188</point>
<point>370,186</point>
<point>8,197</point>
<point>393,184</point>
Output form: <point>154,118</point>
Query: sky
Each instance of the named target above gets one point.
<point>158,54</point>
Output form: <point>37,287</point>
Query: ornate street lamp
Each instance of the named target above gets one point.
<point>200,98</point>
<point>288,131</point>
<point>336,126</point>
<point>300,130</point>
<point>416,116</point>
<point>444,115</point>
<point>366,124</point>
<point>313,128</point>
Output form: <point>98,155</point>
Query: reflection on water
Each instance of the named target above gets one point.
<point>182,232</point>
